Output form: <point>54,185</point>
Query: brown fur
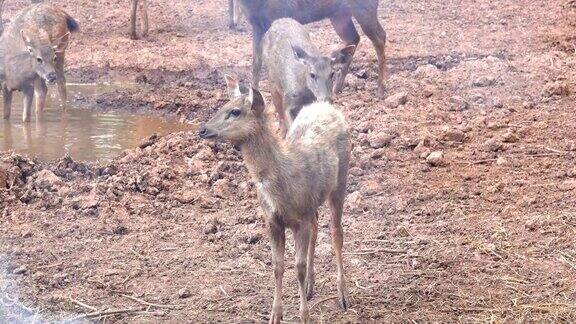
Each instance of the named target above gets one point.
<point>261,14</point>
<point>33,50</point>
<point>294,177</point>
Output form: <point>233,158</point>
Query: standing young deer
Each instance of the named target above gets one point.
<point>261,14</point>
<point>293,179</point>
<point>32,54</point>
<point>299,75</point>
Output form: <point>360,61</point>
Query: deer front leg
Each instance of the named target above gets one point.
<point>302,240</point>
<point>40,91</point>
<point>28,94</point>
<point>278,239</point>
<point>7,102</point>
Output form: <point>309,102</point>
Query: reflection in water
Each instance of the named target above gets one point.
<point>82,134</point>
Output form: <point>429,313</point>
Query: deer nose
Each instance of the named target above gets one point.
<point>51,77</point>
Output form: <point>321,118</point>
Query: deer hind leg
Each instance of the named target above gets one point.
<point>133,19</point>
<point>40,91</point>
<point>278,239</point>
<point>344,27</point>
<point>7,94</point>
<point>302,242</point>
<point>234,11</point>
<point>368,20</point>
<point>310,278</point>
<point>336,203</point>
<point>61,80</point>
<point>144,17</point>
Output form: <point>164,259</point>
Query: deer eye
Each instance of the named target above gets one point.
<point>234,112</point>
<point>313,76</point>
<point>39,60</point>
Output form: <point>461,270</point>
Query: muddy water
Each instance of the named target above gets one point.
<point>83,134</point>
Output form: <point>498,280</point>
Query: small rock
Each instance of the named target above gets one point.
<point>376,154</point>
<point>510,137</point>
<point>47,179</point>
<point>458,103</point>
<point>361,74</point>
<point>396,100</point>
<point>20,270</point>
<point>492,145</point>
<point>356,171</point>
<point>531,224</point>
<point>354,200</point>
<point>371,187</point>
<point>379,140</point>
<point>211,228</point>
<point>556,88</point>
<point>184,293</point>
<point>149,141</point>
<point>435,158</point>
<point>528,105</point>
<point>453,135</point>
<point>428,91</point>
<point>222,188</point>
<point>501,161</point>
<point>254,238</point>
<point>484,81</point>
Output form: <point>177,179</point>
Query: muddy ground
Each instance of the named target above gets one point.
<point>483,234</point>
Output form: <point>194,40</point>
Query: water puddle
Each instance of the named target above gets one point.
<point>83,134</point>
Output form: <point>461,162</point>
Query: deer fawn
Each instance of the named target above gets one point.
<point>32,50</point>
<point>298,74</point>
<point>261,14</point>
<point>293,179</point>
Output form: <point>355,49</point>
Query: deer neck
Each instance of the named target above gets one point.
<point>265,156</point>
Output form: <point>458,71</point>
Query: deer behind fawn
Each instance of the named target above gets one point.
<point>298,74</point>
<point>294,177</point>
<point>32,52</point>
<point>261,14</point>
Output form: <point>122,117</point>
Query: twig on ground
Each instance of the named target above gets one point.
<point>377,251</point>
<point>81,304</point>
<point>105,313</point>
<point>141,301</point>
<point>223,291</point>
<point>49,266</point>
<point>321,301</point>
<point>476,162</point>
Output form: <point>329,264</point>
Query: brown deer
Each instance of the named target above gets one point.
<point>261,14</point>
<point>294,177</point>
<point>234,12</point>
<point>32,53</point>
<point>299,75</point>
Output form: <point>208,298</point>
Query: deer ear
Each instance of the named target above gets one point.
<point>343,55</point>
<point>256,101</point>
<point>26,39</point>
<point>233,87</point>
<point>300,53</point>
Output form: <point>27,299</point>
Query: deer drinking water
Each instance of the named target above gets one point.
<point>294,177</point>
<point>32,52</point>
<point>261,14</point>
<point>298,74</point>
